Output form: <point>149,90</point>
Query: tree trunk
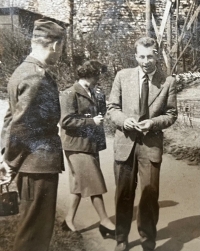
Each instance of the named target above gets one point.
<point>169,42</point>
<point>148,18</point>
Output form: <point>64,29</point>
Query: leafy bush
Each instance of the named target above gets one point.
<point>14,47</point>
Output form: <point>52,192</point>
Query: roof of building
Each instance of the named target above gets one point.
<point>59,10</point>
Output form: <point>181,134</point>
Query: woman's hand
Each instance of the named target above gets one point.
<point>98,120</point>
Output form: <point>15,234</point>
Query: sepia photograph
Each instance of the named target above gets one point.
<point>99,125</point>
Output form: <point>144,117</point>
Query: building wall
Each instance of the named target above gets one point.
<point>115,14</point>
<point>104,29</point>
<point>59,9</point>
<point>120,23</point>
<point>89,14</point>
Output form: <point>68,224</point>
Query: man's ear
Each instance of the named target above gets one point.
<point>55,46</point>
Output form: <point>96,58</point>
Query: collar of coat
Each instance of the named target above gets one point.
<point>80,90</point>
<point>157,84</point>
<point>32,60</point>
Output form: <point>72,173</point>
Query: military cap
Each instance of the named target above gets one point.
<point>47,29</point>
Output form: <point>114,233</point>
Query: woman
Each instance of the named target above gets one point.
<point>82,109</point>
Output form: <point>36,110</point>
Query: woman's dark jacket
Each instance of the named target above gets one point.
<point>78,129</point>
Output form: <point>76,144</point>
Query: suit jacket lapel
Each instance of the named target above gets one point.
<point>134,88</point>
<point>79,89</point>
<point>156,87</point>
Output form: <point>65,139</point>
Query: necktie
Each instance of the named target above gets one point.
<point>144,98</point>
<point>93,97</point>
<point>91,93</point>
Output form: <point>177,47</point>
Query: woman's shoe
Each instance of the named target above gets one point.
<point>67,229</point>
<point>106,232</point>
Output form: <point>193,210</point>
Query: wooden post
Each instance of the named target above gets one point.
<point>183,58</point>
<point>71,37</point>
<point>197,36</point>
<point>148,18</point>
<point>11,17</point>
<point>196,40</point>
<point>169,42</point>
<point>177,30</point>
<point>182,52</point>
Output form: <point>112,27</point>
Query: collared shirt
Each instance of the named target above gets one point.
<point>141,78</point>
<point>81,82</point>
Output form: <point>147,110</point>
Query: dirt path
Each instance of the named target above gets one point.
<point>178,227</point>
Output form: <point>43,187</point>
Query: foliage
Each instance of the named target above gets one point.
<point>104,46</point>
<point>183,142</point>
<point>14,47</point>
<point>116,53</point>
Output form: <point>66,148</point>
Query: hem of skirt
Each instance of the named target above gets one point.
<point>85,196</point>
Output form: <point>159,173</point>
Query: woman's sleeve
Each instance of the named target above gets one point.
<point>5,129</point>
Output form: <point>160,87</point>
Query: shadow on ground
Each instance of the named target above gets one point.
<point>162,204</point>
<point>180,232</point>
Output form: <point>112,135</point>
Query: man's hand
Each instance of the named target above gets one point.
<point>7,174</point>
<point>131,124</point>
<point>145,125</point>
<point>98,120</point>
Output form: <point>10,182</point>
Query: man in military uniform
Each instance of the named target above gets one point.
<point>31,146</point>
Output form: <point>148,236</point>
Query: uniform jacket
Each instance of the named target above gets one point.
<point>30,140</point>
<point>124,103</point>
<point>78,130</point>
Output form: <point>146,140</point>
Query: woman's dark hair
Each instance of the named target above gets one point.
<point>90,69</point>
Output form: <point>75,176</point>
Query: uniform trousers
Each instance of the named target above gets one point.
<point>126,175</point>
<point>38,194</point>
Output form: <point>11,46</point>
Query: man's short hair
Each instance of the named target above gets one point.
<point>146,42</point>
<point>46,31</point>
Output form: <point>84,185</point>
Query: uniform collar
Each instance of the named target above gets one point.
<point>33,60</point>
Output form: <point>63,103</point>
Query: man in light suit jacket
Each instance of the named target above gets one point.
<point>142,103</point>
<point>31,145</point>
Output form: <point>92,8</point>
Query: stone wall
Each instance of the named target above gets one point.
<point>119,15</point>
<point>112,16</point>
<point>119,22</point>
<point>103,29</point>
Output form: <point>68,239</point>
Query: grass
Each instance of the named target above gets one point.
<point>61,241</point>
<point>183,143</point>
